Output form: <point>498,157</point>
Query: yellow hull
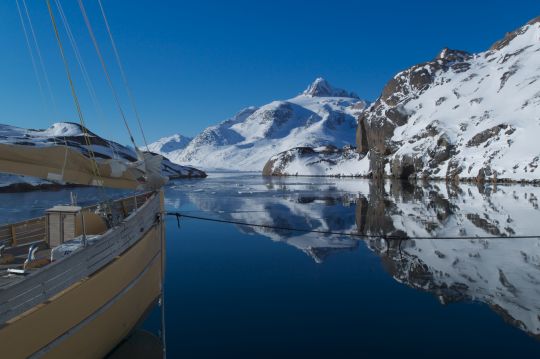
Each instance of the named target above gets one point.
<point>88,319</point>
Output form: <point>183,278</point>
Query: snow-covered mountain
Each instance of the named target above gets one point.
<point>462,115</point>
<point>72,135</point>
<point>321,115</point>
<point>458,116</point>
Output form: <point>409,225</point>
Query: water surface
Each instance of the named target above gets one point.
<point>243,292</point>
<point>239,291</point>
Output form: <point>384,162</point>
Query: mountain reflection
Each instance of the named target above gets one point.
<point>501,272</point>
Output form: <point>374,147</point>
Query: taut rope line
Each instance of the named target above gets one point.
<point>106,71</point>
<point>40,58</point>
<point>179,215</point>
<point>123,74</point>
<point>34,66</point>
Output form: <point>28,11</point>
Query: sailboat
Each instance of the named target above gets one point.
<point>77,280</point>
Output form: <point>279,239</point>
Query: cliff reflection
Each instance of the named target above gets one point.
<point>501,272</point>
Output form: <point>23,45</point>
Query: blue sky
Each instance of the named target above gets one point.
<point>193,64</point>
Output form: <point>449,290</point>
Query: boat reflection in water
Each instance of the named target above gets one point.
<point>139,344</point>
<point>504,273</point>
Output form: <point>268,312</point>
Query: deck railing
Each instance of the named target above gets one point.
<point>28,231</point>
<point>35,229</point>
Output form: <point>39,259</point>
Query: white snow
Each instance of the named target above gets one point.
<point>246,141</point>
<point>501,88</point>
<point>320,163</point>
<point>59,129</point>
<point>169,144</point>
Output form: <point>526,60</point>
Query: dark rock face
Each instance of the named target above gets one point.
<point>361,137</point>
<point>405,167</point>
<point>485,135</point>
<point>376,124</point>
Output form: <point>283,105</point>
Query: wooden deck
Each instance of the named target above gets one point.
<point>19,293</point>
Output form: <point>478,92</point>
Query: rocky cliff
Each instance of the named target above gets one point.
<point>460,115</point>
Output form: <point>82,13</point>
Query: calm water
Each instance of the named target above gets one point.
<point>236,291</point>
<point>243,292</point>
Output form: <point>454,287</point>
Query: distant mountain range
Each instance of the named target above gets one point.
<point>71,134</point>
<point>321,115</point>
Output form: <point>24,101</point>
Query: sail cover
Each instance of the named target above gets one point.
<point>65,164</point>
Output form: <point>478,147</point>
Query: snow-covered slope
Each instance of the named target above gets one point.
<point>169,144</point>
<point>321,115</point>
<point>461,115</point>
<point>72,135</point>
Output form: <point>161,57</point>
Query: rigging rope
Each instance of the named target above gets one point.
<point>106,71</point>
<point>40,58</point>
<point>179,215</point>
<point>43,69</point>
<point>82,66</point>
<point>95,168</point>
<point>34,66</point>
<point>123,74</point>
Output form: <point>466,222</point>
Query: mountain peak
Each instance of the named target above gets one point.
<point>322,88</point>
<point>453,55</point>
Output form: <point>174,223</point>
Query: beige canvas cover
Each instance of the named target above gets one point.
<point>62,163</point>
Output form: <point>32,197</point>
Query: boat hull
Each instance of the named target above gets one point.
<point>90,317</point>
